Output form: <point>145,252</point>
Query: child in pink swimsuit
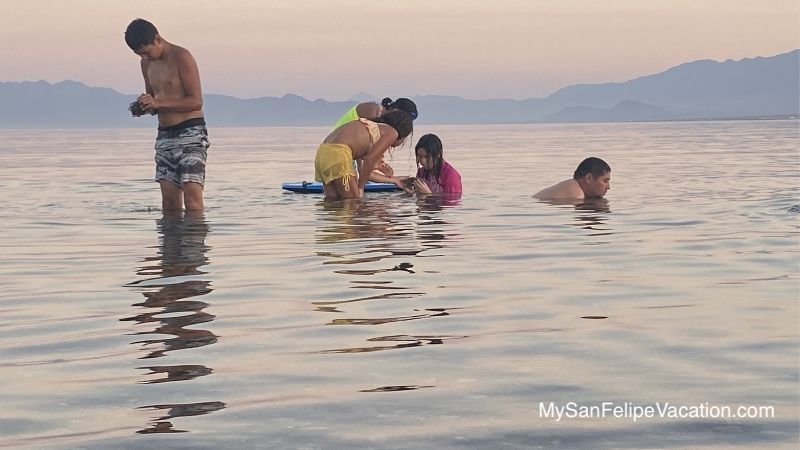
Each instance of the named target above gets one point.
<point>435,175</point>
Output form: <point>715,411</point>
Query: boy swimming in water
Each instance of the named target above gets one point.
<point>592,179</point>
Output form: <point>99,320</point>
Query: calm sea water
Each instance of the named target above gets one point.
<point>277,320</point>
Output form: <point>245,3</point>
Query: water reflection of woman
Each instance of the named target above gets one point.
<point>384,217</point>
<point>368,240</point>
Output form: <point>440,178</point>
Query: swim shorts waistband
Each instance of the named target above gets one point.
<point>185,124</point>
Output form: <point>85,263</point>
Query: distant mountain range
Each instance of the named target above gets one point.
<point>751,87</point>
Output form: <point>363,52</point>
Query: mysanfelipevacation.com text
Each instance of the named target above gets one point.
<point>658,410</point>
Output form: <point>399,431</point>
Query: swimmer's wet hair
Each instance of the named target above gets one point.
<point>596,166</point>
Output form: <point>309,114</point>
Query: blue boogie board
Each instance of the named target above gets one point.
<point>315,187</point>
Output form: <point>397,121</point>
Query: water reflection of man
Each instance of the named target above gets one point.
<point>591,180</point>
<point>592,214</point>
<point>182,251</point>
<point>594,204</point>
<point>170,303</point>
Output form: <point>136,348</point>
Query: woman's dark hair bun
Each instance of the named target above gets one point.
<point>387,102</point>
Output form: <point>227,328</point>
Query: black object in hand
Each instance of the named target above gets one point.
<point>409,186</point>
<point>137,110</point>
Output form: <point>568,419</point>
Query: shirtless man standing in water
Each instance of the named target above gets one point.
<point>172,90</point>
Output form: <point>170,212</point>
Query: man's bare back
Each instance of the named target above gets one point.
<point>567,189</point>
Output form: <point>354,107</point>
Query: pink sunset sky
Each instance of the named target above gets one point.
<point>333,49</point>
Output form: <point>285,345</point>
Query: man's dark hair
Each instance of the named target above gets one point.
<point>399,120</point>
<point>596,166</point>
<point>140,33</point>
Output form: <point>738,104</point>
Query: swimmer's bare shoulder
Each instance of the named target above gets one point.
<point>567,189</point>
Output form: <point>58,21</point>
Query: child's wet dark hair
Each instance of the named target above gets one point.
<point>433,147</point>
<point>140,33</point>
<point>402,104</point>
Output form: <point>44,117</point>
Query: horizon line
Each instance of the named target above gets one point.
<point>289,94</point>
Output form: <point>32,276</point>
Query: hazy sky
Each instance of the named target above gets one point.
<point>333,49</point>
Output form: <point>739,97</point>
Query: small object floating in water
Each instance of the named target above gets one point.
<point>794,209</point>
<point>395,388</point>
<point>404,266</point>
<point>594,317</point>
<point>315,187</point>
